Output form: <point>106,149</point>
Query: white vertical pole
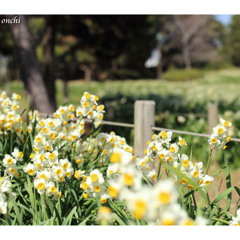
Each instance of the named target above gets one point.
<point>144,114</point>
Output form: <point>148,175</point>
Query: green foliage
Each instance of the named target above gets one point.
<point>232,41</point>
<point>176,75</point>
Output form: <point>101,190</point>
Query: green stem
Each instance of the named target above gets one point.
<point>159,169</point>
<point>209,160</point>
<point>220,220</point>
<point>194,201</point>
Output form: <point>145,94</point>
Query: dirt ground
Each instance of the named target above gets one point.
<point>219,185</point>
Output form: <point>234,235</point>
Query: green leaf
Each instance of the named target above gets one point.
<point>237,190</point>
<point>222,195</point>
<point>68,219</point>
<point>84,222</point>
<point>118,219</point>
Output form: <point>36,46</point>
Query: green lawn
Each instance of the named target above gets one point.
<point>221,85</point>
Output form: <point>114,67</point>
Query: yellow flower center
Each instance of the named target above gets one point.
<point>214,140</point>
<point>58,171</point>
<point>220,131</point>
<point>103,200</point>
<point>128,179</point>
<point>38,139</point>
<point>164,197</point>
<point>196,174</point>
<point>184,181</point>
<point>51,124</point>
<point>53,189</point>
<point>200,181</point>
<point>30,171</point>
<point>168,221</point>
<point>140,209</point>
<point>87,95</point>
<point>226,124</point>
<point>207,182</point>
<point>115,157</point>
<point>40,186</point>
<point>65,165</point>
<point>112,191</point>
<point>189,222</point>
<point>94,177</point>
<point>84,185</point>
<point>86,104</point>
<point>185,163</point>
<point>52,156</point>
<point>104,210</point>
<point>162,156</point>
<point>154,148</point>
<point>43,176</point>
<point>163,135</point>
<point>97,188</point>
<point>182,142</point>
<point>12,170</point>
<point>9,161</point>
<point>172,149</point>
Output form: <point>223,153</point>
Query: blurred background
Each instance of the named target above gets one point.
<point>182,62</point>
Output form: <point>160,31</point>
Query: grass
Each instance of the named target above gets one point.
<point>214,85</point>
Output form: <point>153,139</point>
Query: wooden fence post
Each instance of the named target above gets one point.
<point>212,122</point>
<point>144,119</point>
<point>212,116</point>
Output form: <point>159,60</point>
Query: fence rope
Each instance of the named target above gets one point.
<point>119,124</point>
<point>130,125</point>
<point>189,133</point>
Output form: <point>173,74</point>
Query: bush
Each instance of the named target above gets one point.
<point>183,74</point>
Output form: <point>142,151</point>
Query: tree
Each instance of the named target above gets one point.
<point>29,66</point>
<point>48,43</point>
<point>232,44</point>
<point>196,40</point>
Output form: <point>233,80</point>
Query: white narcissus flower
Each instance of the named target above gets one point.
<point>165,192</point>
<point>3,206</point>
<point>235,220</point>
<point>225,123</point>
<point>120,156</point>
<point>30,169</point>
<point>18,155</point>
<point>8,160</point>
<point>40,184</point>
<point>5,184</point>
<point>220,135</point>
<point>95,177</point>
<point>113,170</point>
<point>105,216</point>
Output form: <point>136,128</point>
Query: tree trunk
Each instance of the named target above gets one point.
<point>187,57</point>
<point>87,72</point>
<point>159,66</point>
<point>29,66</point>
<point>48,67</point>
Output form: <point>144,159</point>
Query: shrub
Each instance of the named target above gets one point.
<point>176,75</point>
